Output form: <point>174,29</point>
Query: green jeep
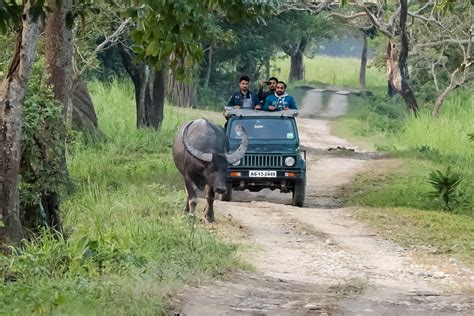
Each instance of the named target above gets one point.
<point>273,159</point>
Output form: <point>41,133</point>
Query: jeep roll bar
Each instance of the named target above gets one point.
<point>230,111</point>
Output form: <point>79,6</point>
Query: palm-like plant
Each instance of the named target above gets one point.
<point>445,185</point>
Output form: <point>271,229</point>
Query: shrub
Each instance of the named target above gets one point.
<point>445,185</point>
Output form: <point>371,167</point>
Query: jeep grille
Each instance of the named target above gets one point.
<point>262,161</point>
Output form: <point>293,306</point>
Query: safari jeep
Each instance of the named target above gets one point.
<point>273,159</point>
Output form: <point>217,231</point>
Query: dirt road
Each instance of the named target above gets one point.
<point>318,259</point>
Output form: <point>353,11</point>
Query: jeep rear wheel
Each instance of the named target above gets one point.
<point>228,195</point>
<point>299,191</point>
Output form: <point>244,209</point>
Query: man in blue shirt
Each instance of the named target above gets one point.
<point>243,99</point>
<point>280,100</point>
<point>262,95</point>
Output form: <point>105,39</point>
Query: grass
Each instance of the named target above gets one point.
<point>331,70</point>
<point>397,201</point>
<point>129,247</point>
<point>439,232</point>
<point>394,195</point>
<point>424,143</point>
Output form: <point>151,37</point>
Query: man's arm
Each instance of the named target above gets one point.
<point>268,104</point>
<point>255,102</point>
<point>293,104</point>
<point>232,102</point>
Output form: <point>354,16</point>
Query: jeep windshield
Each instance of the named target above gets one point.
<point>264,128</point>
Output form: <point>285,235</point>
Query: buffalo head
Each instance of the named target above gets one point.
<point>216,163</point>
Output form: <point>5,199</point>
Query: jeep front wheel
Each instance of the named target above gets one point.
<point>299,191</point>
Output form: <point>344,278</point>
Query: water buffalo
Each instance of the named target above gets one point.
<point>200,153</point>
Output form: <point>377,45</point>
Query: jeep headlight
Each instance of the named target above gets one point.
<point>237,163</point>
<point>289,161</point>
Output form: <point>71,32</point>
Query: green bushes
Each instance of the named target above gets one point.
<point>426,144</point>
<point>129,244</point>
<point>42,150</point>
<point>433,172</point>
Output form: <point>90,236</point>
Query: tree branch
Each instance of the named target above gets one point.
<point>432,20</point>
<point>113,38</point>
<point>379,24</point>
<point>441,42</point>
<point>349,17</point>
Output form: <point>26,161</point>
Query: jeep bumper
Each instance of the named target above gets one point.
<point>241,179</point>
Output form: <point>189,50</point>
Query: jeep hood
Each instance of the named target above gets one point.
<point>268,147</point>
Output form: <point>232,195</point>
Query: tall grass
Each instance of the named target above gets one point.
<point>447,134</point>
<point>129,246</point>
<point>426,143</point>
<point>399,202</point>
<point>332,70</point>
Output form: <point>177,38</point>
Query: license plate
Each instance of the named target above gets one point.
<point>263,173</point>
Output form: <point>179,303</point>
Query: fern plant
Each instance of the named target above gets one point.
<point>445,185</point>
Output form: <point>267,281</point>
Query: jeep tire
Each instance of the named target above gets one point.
<point>299,191</point>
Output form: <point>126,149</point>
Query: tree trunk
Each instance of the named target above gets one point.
<point>181,94</point>
<point>267,69</point>
<point>59,53</point>
<point>157,105</point>
<point>391,66</point>
<point>397,77</point>
<point>406,90</point>
<point>296,65</point>
<point>138,74</point>
<point>12,92</point>
<point>458,77</point>
<point>363,62</point>
<point>149,90</point>
<point>143,97</point>
<point>440,99</point>
<point>84,117</point>
<point>209,67</point>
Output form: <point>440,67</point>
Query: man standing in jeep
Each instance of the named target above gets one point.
<point>244,98</point>
<point>280,100</point>
<point>262,95</point>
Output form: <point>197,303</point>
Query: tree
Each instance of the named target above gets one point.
<point>397,49</point>
<point>246,49</point>
<point>367,30</point>
<point>181,93</point>
<point>294,31</point>
<point>59,51</point>
<point>170,34</point>
<point>442,52</point>
<point>101,26</point>
<point>149,86</point>
<point>12,92</point>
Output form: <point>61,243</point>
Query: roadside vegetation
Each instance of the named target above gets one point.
<point>341,71</point>
<point>129,246</point>
<point>401,202</point>
<point>104,232</point>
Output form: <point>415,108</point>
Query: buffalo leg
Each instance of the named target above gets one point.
<point>186,206</point>
<point>192,198</point>
<point>210,203</point>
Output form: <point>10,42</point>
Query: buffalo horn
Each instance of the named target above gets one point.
<point>240,152</point>
<point>193,151</point>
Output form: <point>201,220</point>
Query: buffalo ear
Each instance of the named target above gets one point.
<point>240,152</point>
<point>193,151</point>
